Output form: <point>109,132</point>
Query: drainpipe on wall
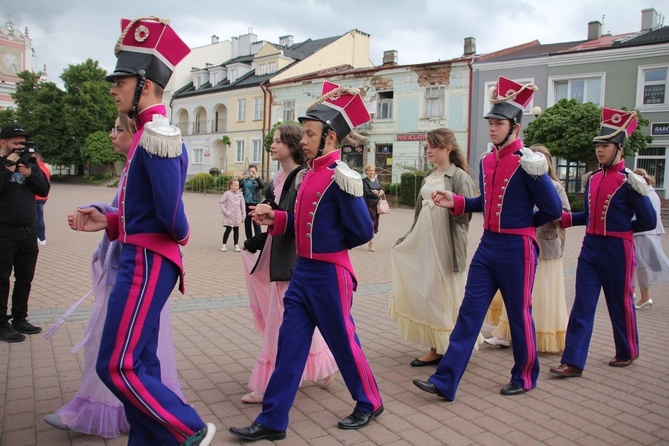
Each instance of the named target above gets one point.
<point>266,119</point>
<point>471,110</point>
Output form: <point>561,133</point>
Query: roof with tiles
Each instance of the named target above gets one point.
<point>297,52</point>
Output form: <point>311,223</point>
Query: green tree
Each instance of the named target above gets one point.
<point>88,107</point>
<point>7,116</point>
<point>60,121</point>
<point>98,149</point>
<point>39,110</point>
<point>568,128</point>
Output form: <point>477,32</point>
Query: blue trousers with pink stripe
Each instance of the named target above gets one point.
<point>127,362</point>
<point>320,295</point>
<point>608,263</point>
<point>506,262</point>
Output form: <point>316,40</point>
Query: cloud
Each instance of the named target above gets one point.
<point>68,32</point>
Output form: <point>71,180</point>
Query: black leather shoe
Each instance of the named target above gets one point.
<point>418,363</point>
<point>8,334</point>
<point>23,326</point>
<point>427,386</point>
<point>359,419</point>
<point>512,389</point>
<point>257,431</point>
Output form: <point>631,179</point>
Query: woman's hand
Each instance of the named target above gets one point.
<point>87,220</point>
<point>443,198</point>
<point>263,214</point>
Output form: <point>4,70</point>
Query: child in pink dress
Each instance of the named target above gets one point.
<point>232,207</point>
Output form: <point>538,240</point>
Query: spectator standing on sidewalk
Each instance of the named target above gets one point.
<point>372,191</point>
<point>20,181</point>
<point>232,208</point>
<point>652,266</point>
<point>252,186</point>
<point>40,202</point>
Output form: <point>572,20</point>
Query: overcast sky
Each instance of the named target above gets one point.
<point>67,32</point>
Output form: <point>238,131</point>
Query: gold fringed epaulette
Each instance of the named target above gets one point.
<point>348,179</point>
<point>586,178</point>
<point>637,182</point>
<point>162,139</point>
<point>533,163</point>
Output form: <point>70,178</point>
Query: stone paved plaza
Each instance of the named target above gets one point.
<point>216,348</point>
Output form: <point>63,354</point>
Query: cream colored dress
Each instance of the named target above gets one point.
<point>426,293</point>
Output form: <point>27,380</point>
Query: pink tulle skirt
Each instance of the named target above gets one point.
<point>266,302</point>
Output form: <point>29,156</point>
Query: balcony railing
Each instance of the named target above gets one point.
<point>184,127</point>
<point>219,125</point>
<point>200,127</point>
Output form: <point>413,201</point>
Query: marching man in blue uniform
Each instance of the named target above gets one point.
<point>151,224</point>
<point>616,206</point>
<point>330,218</point>
<point>513,181</point>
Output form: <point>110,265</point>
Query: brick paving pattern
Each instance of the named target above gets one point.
<point>216,349</point>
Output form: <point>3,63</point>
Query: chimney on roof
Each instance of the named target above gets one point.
<point>594,30</point>
<point>286,41</point>
<point>470,46</point>
<point>214,39</point>
<point>649,19</point>
<point>390,57</point>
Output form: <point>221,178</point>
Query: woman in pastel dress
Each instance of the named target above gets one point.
<point>652,265</point>
<point>268,274</point>
<point>428,263</point>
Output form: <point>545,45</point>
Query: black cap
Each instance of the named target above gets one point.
<point>11,130</point>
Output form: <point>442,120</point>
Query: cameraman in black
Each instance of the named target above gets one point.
<point>20,180</point>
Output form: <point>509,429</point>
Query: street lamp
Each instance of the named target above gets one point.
<point>536,111</point>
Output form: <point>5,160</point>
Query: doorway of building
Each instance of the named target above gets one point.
<point>383,161</point>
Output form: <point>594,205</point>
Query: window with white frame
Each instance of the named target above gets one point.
<point>256,156</point>
<point>198,156</point>
<point>654,160</point>
<point>652,86</point>
<point>241,109</point>
<point>583,89</point>
<point>272,67</point>
<point>384,105</point>
<point>232,75</point>
<point>486,96</point>
<point>257,108</point>
<point>261,69</point>
<point>239,151</point>
<point>434,102</point>
<point>288,111</point>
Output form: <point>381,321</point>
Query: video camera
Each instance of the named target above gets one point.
<point>25,154</point>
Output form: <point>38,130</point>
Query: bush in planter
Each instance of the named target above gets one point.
<point>409,185</point>
<point>201,182</point>
<point>576,202</point>
<point>221,182</point>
